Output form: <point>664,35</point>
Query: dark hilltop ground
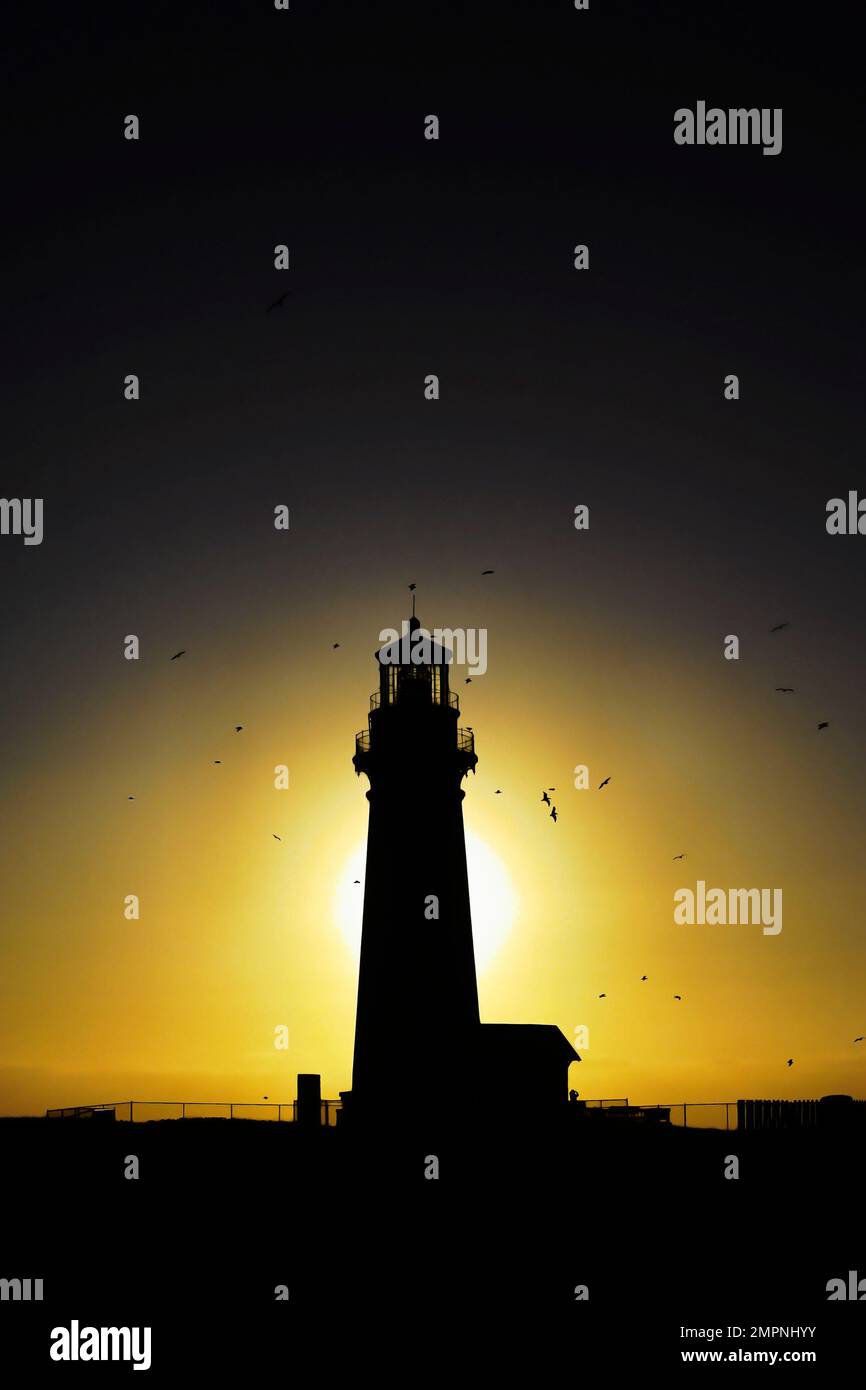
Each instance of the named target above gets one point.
<point>224,1211</point>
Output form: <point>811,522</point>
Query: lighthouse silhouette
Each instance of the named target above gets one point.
<point>420,1046</point>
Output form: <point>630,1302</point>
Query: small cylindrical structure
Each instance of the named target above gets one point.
<point>309,1099</point>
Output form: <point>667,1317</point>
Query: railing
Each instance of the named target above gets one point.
<point>697,1114</point>
<point>137,1111</point>
<point>700,1114</point>
<point>830,1112</point>
<point>465,741</point>
<point>391,698</point>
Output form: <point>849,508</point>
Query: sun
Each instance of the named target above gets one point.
<point>491,893</point>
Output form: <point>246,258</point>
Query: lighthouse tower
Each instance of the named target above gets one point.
<point>417,1019</point>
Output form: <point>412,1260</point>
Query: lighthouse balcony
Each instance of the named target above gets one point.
<point>434,693</point>
<point>465,742</point>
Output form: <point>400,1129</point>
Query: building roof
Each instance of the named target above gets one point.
<point>541,1040</point>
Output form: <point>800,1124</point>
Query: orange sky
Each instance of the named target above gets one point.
<point>239,934</point>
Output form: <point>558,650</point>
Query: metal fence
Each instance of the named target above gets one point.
<point>701,1114</point>
<point>827,1113</point>
<point>704,1114</point>
<point>136,1111</point>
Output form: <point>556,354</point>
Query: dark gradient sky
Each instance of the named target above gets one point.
<point>410,257</point>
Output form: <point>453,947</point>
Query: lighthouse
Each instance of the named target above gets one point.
<point>417,1015</point>
<point>420,1046</point>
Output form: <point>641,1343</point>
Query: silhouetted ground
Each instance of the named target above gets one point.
<point>376,1256</point>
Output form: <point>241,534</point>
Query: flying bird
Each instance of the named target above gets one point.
<point>497,792</point>
<point>468,680</point>
<point>239,728</point>
<point>335,646</point>
<point>643,977</point>
<point>678,996</point>
<point>177,654</point>
<point>779,626</point>
<point>790,1061</point>
<point>553,813</point>
<point>825,725</point>
<point>604,783</point>
<point>679,856</point>
<point>130,798</point>
<point>784,690</point>
<point>545,797</point>
<point>488,572</point>
<point>278,303</point>
<point>602,996</point>
<point>277,837</point>
<point>356,880</point>
<point>217,761</point>
<point>860,1039</point>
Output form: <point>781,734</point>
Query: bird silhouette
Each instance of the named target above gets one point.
<point>825,725</point>
<point>679,856</point>
<point>177,654</point>
<point>553,815</point>
<point>779,626</point>
<point>356,880</point>
<point>860,1039</point>
<point>277,837</point>
<point>643,977</point>
<point>602,996</point>
<point>785,690</point>
<point>497,792</point>
<point>488,572</point>
<point>678,996</point>
<point>468,680</point>
<point>278,303</point>
<point>217,761</point>
<point>790,1061</point>
<point>546,798</point>
<point>551,789</point>
<point>604,783</point>
<point>239,728</point>
<point>335,646</point>
<point>130,798</point>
